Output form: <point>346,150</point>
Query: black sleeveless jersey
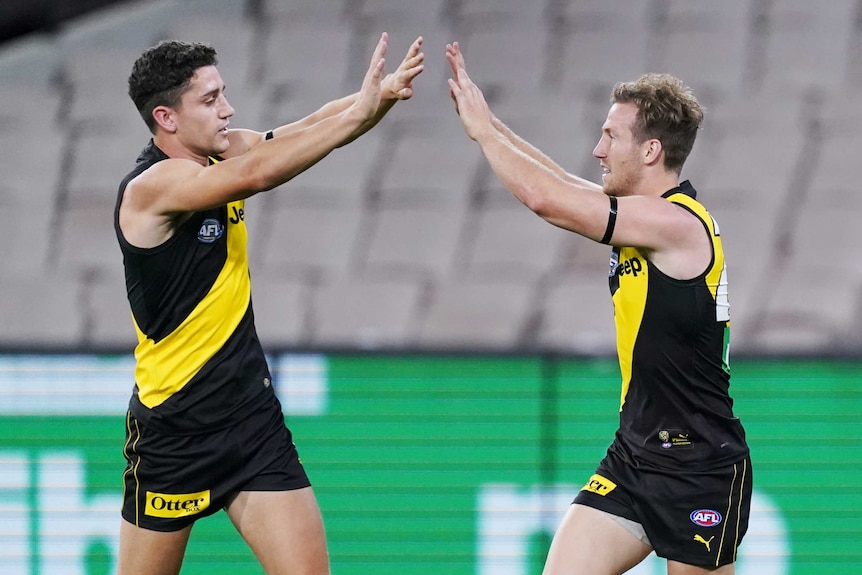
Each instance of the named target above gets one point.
<point>199,364</point>
<point>673,340</point>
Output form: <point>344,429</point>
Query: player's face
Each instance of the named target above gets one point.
<point>203,117</point>
<point>618,152</point>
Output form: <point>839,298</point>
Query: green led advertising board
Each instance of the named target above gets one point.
<point>428,464</point>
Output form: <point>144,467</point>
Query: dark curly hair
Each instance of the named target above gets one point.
<point>667,111</point>
<point>162,74</point>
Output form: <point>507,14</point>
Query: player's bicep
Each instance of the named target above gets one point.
<point>177,186</point>
<point>654,224</point>
<point>578,206</point>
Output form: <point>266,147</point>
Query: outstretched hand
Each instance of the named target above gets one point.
<point>456,62</point>
<point>470,103</point>
<point>368,99</point>
<point>399,84</point>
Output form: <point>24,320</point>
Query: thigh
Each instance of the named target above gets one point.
<point>284,529</point>
<point>171,481</point>
<point>592,542</point>
<point>696,518</point>
<point>146,552</point>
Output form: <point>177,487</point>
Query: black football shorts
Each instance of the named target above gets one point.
<point>171,481</point>
<point>694,517</point>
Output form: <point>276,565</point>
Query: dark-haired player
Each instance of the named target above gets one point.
<point>205,430</point>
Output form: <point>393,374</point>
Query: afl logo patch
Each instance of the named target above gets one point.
<point>705,517</point>
<point>211,230</point>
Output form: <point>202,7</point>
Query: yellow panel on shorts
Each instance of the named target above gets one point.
<point>171,505</point>
<point>599,485</point>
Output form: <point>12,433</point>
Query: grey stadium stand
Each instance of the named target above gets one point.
<point>405,240</point>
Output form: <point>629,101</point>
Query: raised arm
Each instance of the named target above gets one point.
<point>570,202</point>
<point>395,86</point>
<point>456,62</point>
<point>539,183</point>
<point>162,196</point>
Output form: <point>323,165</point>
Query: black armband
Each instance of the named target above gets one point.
<point>612,221</point>
<point>269,135</point>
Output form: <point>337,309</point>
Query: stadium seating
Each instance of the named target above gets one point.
<point>405,239</point>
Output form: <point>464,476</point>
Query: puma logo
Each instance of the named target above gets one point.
<point>706,542</point>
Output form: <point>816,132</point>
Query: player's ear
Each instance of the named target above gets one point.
<point>164,118</point>
<point>652,150</point>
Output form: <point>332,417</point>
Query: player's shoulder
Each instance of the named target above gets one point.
<point>170,167</point>
<point>161,177</point>
<point>685,194</point>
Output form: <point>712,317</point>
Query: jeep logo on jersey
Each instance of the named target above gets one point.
<point>211,230</point>
<point>630,266</point>
<point>705,517</point>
